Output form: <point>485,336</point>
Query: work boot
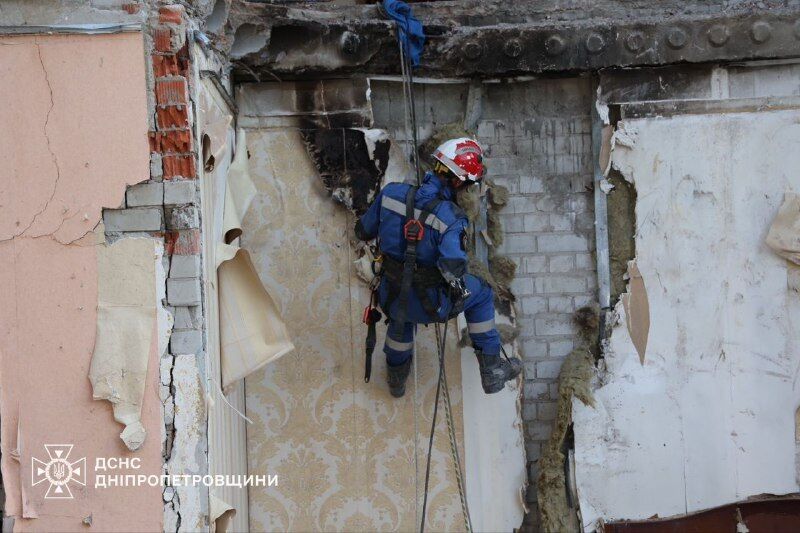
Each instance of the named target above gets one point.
<point>495,371</point>
<point>396,377</point>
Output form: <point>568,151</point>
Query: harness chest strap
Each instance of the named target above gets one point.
<point>412,231</point>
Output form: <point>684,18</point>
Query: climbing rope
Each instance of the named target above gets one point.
<point>451,430</point>
<point>441,338</point>
<point>441,387</point>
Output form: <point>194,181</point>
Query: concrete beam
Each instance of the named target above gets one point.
<point>297,43</point>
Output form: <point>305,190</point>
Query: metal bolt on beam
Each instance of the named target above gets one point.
<point>761,32</point>
<point>595,43</point>
<point>718,35</point>
<point>473,50</point>
<point>554,45</point>
<point>513,48</point>
<point>635,41</point>
<point>677,38</point>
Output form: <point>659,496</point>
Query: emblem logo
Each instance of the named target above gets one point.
<point>58,471</point>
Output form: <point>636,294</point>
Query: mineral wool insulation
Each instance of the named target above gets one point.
<point>707,415</point>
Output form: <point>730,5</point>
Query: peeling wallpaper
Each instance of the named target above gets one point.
<point>708,415</point>
<point>343,450</point>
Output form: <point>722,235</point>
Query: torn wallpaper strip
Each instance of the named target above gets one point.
<point>126,320</point>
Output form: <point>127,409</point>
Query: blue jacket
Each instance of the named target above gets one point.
<point>443,244</point>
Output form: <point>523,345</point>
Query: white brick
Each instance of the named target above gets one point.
<point>512,223</point>
<point>521,286</point>
<point>519,243</point>
<point>510,182</point>
<point>186,342</point>
<point>561,263</point>
<point>561,222</point>
<point>502,165</point>
<point>584,300</point>
<point>486,128</point>
<point>560,348</point>
<point>188,317</point>
<point>532,305</point>
<point>560,304</point>
<point>580,203</point>
<point>533,451</point>
<point>185,266</point>
<point>555,325</point>
<point>562,243</point>
<point>529,411</point>
<point>560,284</point>
<point>156,166</point>
<point>535,222</point>
<point>183,291</point>
<point>533,348</point>
<point>553,391</point>
<point>145,194</point>
<point>546,204</point>
<point>536,390</point>
<point>546,410</point>
<point>538,430</point>
<point>137,219</point>
<point>183,218</point>
<point>535,264</point>
<point>584,262</point>
<point>178,192</point>
<point>522,204</point>
<point>525,325</point>
<point>548,369</point>
<point>530,185</point>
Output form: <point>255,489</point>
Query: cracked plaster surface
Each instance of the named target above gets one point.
<point>75,127</point>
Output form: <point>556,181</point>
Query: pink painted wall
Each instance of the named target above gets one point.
<point>73,135</point>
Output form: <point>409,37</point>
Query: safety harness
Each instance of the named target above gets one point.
<point>403,277</point>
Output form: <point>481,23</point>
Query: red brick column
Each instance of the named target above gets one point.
<point>172,137</point>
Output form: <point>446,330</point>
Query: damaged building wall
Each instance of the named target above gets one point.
<point>68,97</point>
<point>164,207</point>
<point>538,139</point>
<point>346,453</point>
<point>707,415</point>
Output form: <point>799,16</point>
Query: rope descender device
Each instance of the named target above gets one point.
<point>414,230</point>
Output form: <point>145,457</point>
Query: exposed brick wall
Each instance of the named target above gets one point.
<point>167,206</point>
<point>538,136</point>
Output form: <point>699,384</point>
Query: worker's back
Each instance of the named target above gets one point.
<point>393,218</point>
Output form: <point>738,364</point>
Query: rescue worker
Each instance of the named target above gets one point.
<point>422,240</point>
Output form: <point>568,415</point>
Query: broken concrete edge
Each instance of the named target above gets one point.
<point>263,40</point>
<point>558,507</point>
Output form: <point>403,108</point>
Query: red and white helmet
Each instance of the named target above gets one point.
<point>464,157</point>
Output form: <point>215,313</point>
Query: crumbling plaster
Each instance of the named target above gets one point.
<point>695,414</point>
